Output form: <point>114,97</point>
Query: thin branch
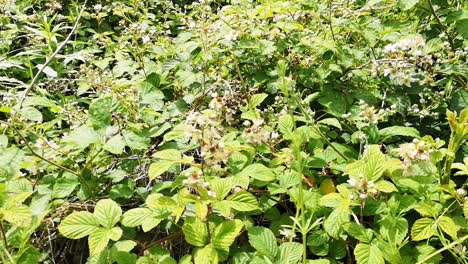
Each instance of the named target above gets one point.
<point>49,60</point>
<point>444,28</point>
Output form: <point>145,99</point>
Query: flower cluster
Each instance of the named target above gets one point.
<point>416,151</point>
<point>406,61</point>
<point>255,133</point>
<point>363,187</point>
<point>369,115</point>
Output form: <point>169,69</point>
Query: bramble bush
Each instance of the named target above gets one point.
<point>233,131</point>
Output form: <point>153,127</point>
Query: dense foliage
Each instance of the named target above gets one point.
<point>233,131</point>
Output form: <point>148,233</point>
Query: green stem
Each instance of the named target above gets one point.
<point>459,241</point>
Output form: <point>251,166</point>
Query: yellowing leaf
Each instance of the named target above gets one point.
<point>422,229</point>
<point>107,212</point>
<point>448,226</point>
<point>195,231</point>
<point>78,225</point>
<point>327,186</point>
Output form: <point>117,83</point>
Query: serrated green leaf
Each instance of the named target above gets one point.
<point>243,201</point>
<point>225,234</point>
<point>136,216</point>
<point>115,145</point>
<point>286,126</point>
<point>368,254</point>
<point>107,212</point>
<point>331,200</point>
<point>372,166</point>
<point>195,231</point>
<point>264,241</point>
<point>98,241</point>
<point>158,168</point>
<point>393,229</point>
<point>169,155</point>
<point>78,225</point>
<point>258,171</point>
<point>206,255</point>
<point>385,186</point>
<point>393,131</point>
<point>359,232</point>
<point>221,187</point>
<point>100,112</point>
<point>256,99</point>
<point>448,226</point>
<point>290,252</point>
<point>82,137</point>
<point>331,122</point>
<point>422,229</point>
<point>19,215</point>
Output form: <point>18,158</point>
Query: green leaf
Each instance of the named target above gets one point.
<point>78,225</point>
<point>136,141</point>
<point>243,201</point>
<point>340,215</point>
<point>225,234</point>
<point>372,166</point>
<point>82,137</point>
<point>393,229</point>
<point>195,231</point>
<point>115,145</point>
<point>100,112</point>
<point>286,126</point>
<point>177,132</point>
<point>98,240</point>
<point>258,171</point>
<point>264,241</point>
<point>221,187</point>
<point>19,215</point>
<point>136,216</point>
<point>385,186</point>
<point>290,252</point>
<point>331,200</point>
<point>368,254</point>
<point>393,131</point>
<point>158,168</point>
<point>462,27</point>
<point>31,113</point>
<point>448,226</point>
<point>359,232</point>
<point>169,155</point>
<point>331,122</point>
<point>257,99</point>
<point>408,4</point>
<point>422,229</point>
<point>107,212</point>
<point>206,255</point>
<point>65,186</point>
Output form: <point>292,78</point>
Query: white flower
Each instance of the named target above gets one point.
<point>212,194</point>
<point>363,195</point>
<point>145,39</point>
<point>287,233</point>
<point>352,182</point>
<point>346,115</point>
<point>97,7</point>
<point>274,134</point>
<point>371,184</point>
<point>461,192</point>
